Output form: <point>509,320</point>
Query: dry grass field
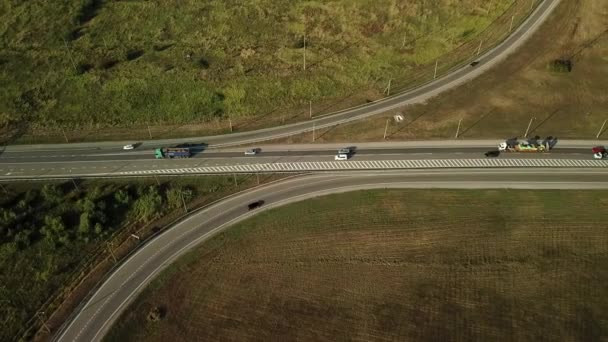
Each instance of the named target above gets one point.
<point>397,265</point>
<point>501,102</point>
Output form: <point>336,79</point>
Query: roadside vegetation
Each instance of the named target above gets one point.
<point>474,265</point>
<point>54,236</point>
<point>89,64</point>
<point>558,79</point>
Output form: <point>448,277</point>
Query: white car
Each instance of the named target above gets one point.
<point>341,157</point>
<point>128,147</point>
<point>599,155</point>
<point>252,151</point>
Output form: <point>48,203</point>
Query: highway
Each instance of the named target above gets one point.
<point>93,318</point>
<point>418,95</point>
<point>290,158</point>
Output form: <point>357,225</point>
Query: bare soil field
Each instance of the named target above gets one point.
<point>400,265</point>
<point>502,102</point>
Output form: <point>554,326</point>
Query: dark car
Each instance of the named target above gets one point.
<point>255,205</point>
<point>474,63</point>
<point>492,154</point>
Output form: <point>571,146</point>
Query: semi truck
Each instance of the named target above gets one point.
<point>532,145</point>
<point>170,153</point>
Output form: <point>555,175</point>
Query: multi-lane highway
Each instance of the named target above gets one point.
<point>287,158</point>
<point>92,320</point>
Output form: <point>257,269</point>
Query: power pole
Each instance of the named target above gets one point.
<point>42,318</point>
<point>528,129</point>
<point>436,64</point>
<point>64,135</point>
<point>388,88</point>
<point>149,132</point>
<point>181,193</point>
<point>257,174</point>
<point>601,129</point>
<point>304,49</point>
<point>236,184</point>
<point>313,131</point>
<point>511,26</point>
<point>458,128</point>
<point>386,129</point>
<point>70,55</point>
<point>109,245</point>
<point>75,185</point>
<point>310,109</point>
<point>479,48</point>
<point>136,237</point>
<point>230,123</point>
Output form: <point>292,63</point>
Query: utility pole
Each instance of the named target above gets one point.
<point>42,318</point>
<point>313,131</point>
<point>230,123</point>
<point>386,129</point>
<point>528,129</point>
<point>388,88</point>
<point>305,49</point>
<point>181,193</point>
<point>149,131</point>
<point>436,64</point>
<point>236,184</point>
<point>75,186</point>
<point>511,26</point>
<point>64,135</point>
<point>70,55</point>
<point>109,245</point>
<point>310,109</point>
<point>479,48</point>
<point>136,237</point>
<point>157,181</point>
<point>458,128</point>
<point>257,174</point>
<point>601,129</point>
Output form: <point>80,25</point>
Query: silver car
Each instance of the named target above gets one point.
<point>252,151</point>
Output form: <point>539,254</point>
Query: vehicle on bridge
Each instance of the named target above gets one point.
<point>599,152</point>
<point>170,153</point>
<point>531,145</point>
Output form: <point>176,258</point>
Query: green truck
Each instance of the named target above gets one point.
<point>170,153</point>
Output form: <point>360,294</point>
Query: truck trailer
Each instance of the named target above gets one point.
<point>170,153</point>
<point>532,145</point>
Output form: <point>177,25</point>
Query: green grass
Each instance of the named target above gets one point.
<point>483,265</point>
<point>92,63</point>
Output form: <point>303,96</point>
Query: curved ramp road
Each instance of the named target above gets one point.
<point>93,319</point>
<point>418,95</point>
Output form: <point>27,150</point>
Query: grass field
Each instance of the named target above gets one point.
<point>400,265</point>
<point>501,102</point>
<point>54,237</point>
<point>90,64</point>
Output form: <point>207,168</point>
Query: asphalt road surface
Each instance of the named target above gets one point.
<point>84,163</point>
<point>93,318</point>
<point>418,95</point>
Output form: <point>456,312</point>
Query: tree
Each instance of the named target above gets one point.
<point>149,205</point>
<point>54,231</point>
<point>85,224</point>
<point>51,193</point>
<point>122,197</point>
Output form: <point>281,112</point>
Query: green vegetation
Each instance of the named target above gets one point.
<point>50,233</point>
<point>92,63</point>
<point>408,265</point>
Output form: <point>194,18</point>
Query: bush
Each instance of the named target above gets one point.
<point>560,65</point>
